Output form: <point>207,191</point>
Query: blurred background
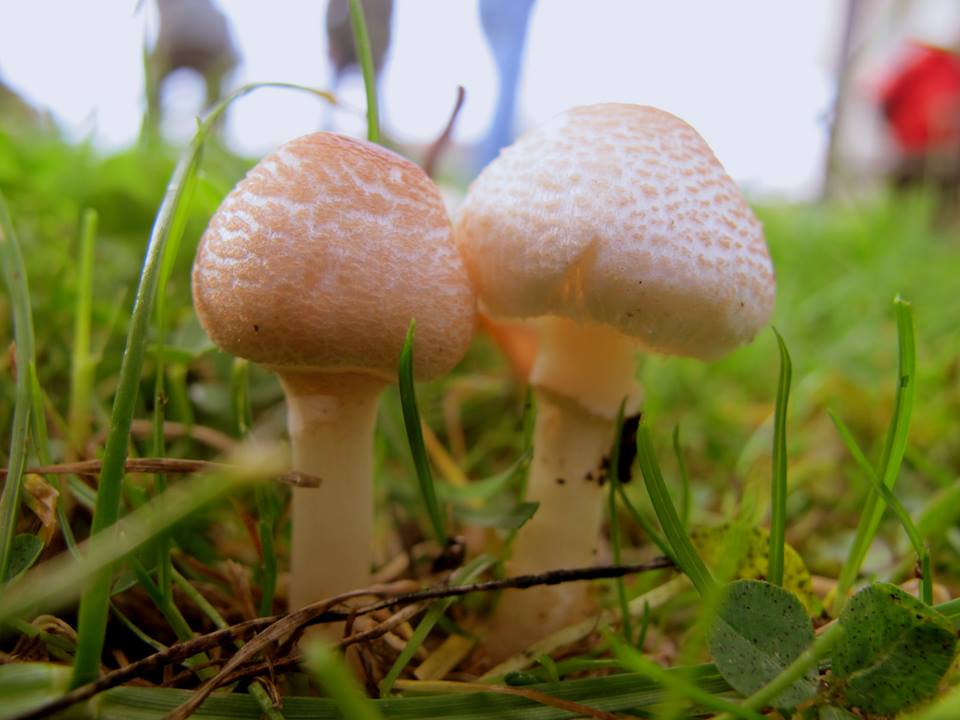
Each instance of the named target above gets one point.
<point>852,101</point>
<point>797,99</point>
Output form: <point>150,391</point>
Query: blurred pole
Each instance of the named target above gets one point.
<point>193,35</point>
<point>378,16</point>
<point>833,172</point>
<point>505,26</point>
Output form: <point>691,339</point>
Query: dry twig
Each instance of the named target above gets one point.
<point>168,466</point>
<point>278,627</point>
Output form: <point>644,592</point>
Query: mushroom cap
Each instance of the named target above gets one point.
<point>619,215</point>
<point>323,253</point>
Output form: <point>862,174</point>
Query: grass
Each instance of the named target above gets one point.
<point>210,552</point>
<point>15,279</point>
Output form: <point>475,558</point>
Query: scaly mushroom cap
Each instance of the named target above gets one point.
<point>322,254</point>
<point>619,215</point>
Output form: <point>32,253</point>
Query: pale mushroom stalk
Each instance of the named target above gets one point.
<point>331,419</point>
<point>313,266</point>
<point>581,375</point>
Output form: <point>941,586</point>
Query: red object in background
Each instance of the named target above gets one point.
<point>921,100</point>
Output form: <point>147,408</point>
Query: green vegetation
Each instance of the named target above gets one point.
<point>203,555</point>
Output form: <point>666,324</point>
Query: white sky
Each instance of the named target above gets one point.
<point>755,77</point>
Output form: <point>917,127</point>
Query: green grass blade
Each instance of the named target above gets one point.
<point>778,480</point>
<point>268,505</point>
<point>615,536</point>
<point>330,673</point>
<point>894,447</point>
<point>94,602</point>
<point>809,658</point>
<point>255,689</point>
<point>625,692</point>
<point>631,659</point>
<point>58,581</point>
<point>175,619</point>
<point>240,397</point>
<point>137,630</point>
<point>648,529</point>
<point>644,627</point>
<point>891,500</point>
<point>92,615</point>
<point>361,42</point>
<point>81,367</point>
<point>684,478</point>
<point>15,279</point>
<point>683,552</point>
<point>467,574</point>
<point>411,421</point>
<point>178,223</point>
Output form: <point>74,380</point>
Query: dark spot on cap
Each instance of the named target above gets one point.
<point>256,328</point>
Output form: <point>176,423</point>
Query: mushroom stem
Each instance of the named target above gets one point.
<point>572,437</point>
<point>331,419</point>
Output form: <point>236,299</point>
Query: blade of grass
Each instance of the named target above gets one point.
<point>683,552</point>
<point>182,629</point>
<point>808,659</point>
<point>778,480</point>
<point>615,521</point>
<point>411,421</point>
<point>893,450</point>
<point>15,279</point>
<point>696,638</point>
<point>268,506</point>
<point>332,675</point>
<point>648,529</point>
<point>255,689</point>
<point>92,615</point>
<point>467,574</point>
<point>675,681</point>
<point>136,630</point>
<point>158,443</point>
<point>81,367</point>
<point>684,478</point>
<point>361,42</point>
<point>913,533</point>
<point>644,627</point>
<point>624,692</point>
<point>57,582</point>
<point>175,619</point>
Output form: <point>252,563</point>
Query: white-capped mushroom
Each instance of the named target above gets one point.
<point>618,228</point>
<point>313,266</point>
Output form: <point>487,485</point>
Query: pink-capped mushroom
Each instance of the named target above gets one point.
<point>313,267</point>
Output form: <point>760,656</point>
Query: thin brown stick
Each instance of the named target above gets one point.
<point>173,654</point>
<point>171,431</point>
<point>277,626</point>
<point>522,582</point>
<point>440,144</point>
<point>294,621</point>
<point>168,466</point>
<point>277,631</point>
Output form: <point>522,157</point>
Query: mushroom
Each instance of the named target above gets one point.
<point>313,266</point>
<point>617,227</point>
